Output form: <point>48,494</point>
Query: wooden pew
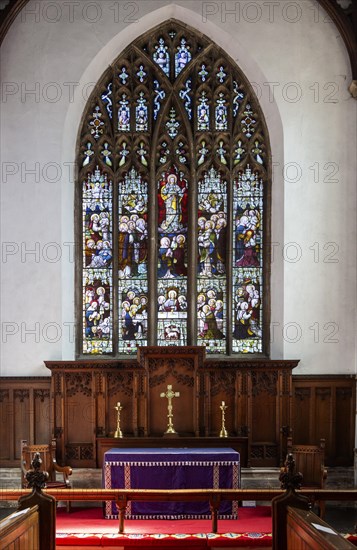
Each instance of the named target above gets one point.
<point>306,531</point>
<point>20,530</point>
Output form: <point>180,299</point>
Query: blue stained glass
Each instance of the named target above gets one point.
<point>203,112</point>
<point>159,96</point>
<point>203,73</point>
<point>172,124</point>
<point>141,74</point>
<point>237,98</point>
<point>248,122</point>
<point>124,114</point>
<point>182,57</point>
<point>97,209</point>
<point>221,75</point>
<point>87,154</point>
<point>107,99</point>
<point>123,76</point>
<point>141,112</point>
<point>96,123</point>
<point>221,113</point>
<point>161,56</point>
<point>186,97</point>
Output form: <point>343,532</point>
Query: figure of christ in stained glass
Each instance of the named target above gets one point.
<point>247,330</point>
<point>97,322</point>
<point>182,57</point>
<point>133,304</point>
<point>172,202</point>
<point>172,261</point>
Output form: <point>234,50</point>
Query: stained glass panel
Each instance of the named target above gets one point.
<point>141,112</point>
<point>175,125</point>
<point>203,112</point>
<point>172,258</point>
<point>97,225</point>
<point>247,271</point>
<point>247,323</point>
<point>161,56</point>
<point>133,316</point>
<point>182,57</point>
<point>132,262</point>
<point>97,311</point>
<point>124,114</point>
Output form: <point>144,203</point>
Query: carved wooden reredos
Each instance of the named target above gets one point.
<point>257,393</point>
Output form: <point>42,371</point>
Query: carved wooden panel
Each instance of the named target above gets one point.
<point>25,414</point>
<point>323,407</point>
<point>265,405</point>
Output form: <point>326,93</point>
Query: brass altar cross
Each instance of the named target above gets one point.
<point>170,394</point>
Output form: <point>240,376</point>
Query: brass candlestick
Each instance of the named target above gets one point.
<point>223,432</point>
<point>118,432</point>
<point>170,394</point>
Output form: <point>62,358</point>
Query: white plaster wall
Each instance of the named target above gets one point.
<point>56,48</point>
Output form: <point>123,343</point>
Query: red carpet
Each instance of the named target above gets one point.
<point>87,527</point>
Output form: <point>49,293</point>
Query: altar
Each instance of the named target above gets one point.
<point>172,468</point>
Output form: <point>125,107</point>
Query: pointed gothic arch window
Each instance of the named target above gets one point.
<point>173,186</point>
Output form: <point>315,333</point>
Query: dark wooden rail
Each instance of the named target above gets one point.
<point>213,496</point>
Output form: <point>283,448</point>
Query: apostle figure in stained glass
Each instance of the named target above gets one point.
<point>246,246</point>
<point>247,301</point>
<point>221,114</point>
<point>161,56</point>
<point>141,112</point>
<point>182,57</point>
<point>124,114</point>
<point>203,117</point>
<point>124,119</point>
<point>172,194</point>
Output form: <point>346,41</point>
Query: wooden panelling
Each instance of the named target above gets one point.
<point>25,410</point>
<point>257,393</point>
<point>323,407</point>
<point>20,531</point>
<point>265,403</point>
<point>306,531</point>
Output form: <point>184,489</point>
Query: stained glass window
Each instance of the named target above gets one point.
<point>173,182</point>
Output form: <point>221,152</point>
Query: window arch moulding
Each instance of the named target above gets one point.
<point>173,203</point>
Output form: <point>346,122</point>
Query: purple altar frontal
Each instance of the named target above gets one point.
<point>172,468</point>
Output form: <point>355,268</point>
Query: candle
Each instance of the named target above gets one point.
<point>223,403</point>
